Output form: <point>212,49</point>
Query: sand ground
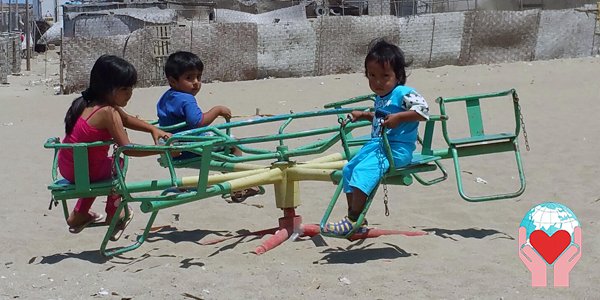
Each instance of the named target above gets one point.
<point>471,251</point>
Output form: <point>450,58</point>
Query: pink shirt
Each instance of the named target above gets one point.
<point>98,158</point>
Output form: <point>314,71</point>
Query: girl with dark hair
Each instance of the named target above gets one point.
<point>98,115</point>
<point>402,109</point>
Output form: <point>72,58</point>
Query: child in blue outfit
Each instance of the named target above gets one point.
<point>178,104</point>
<point>385,69</point>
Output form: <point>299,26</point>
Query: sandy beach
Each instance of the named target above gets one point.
<point>470,252</point>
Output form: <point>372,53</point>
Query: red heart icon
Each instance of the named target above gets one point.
<point>550,247</point>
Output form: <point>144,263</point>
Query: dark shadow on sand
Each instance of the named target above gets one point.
<point>92,256</point>
<point>475,233</point>
<point>362,254</point>
<point>175,236</point>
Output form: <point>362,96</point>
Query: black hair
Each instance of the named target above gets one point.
<point>383,52</point>
<point>108,73</point>
<point>181,62</point>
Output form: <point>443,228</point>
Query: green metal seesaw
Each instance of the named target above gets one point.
<point>478,143</point>
<point>283,172</point>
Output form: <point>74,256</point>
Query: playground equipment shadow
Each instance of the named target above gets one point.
<point>362,254</point>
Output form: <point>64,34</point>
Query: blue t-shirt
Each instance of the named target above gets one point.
<point>175,107</point>
<point>401,98</point>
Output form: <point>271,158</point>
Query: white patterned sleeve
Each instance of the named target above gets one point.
<point>415,102</point>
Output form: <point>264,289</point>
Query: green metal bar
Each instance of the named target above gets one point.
<point>336,176</point>
<point>109,232</point>
<point>435,180</point>
<point>53,143</point>
<point>50,145</point>
<point>358,99</point>
<point>245,158</point>
<point>388,150</point>
<point>313,145</point>
<point>261,139</point>
<point>169,128</point>
<point>213,190</point>
<point>65,208</point>
<point>140,240</point>
<point>203,172</point>
<point>474,115</point>
<point>222,166</point>
<point>249,150</point>
<point>282,127</point>
<point>360,219</point>
<point>344,138</point>
<point>476,149</point>
<point>476,96</point>
<point>459,181</point>
<point>132,187</point>
<point>282,117</point>
<point>330,207</point>
<point>81,168</point>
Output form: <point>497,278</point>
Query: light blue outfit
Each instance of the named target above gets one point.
<point>364,170</point>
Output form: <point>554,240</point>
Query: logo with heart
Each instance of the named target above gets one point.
<point>550,237</point>
<point>550,247</point>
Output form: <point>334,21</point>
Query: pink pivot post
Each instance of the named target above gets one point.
<point>374,232</point>
<point>287,223</point>
<point>291,221</point>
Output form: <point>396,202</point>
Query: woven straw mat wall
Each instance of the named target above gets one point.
<point>565,33</point>
<point>343,41</point>
<point>227,50</point>
<point>501,36</point>
<point>80,54</point>
<point>447,39</point>
<point>286,50</point>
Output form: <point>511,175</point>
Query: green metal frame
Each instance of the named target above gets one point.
<point>171,195</point>
<point>62,190</point>
<point>421,162</point>
<point>478,143</point>
<point>193,141</point>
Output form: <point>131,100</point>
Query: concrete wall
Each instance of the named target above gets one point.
<point>330,45</point>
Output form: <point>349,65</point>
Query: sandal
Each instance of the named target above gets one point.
<point>93,218</point>
<point>121,225</point>
<point>240,196</point>
<point>343,227</point>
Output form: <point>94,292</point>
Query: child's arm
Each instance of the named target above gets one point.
<point>111,117</point>
<point>416,107</point>
<point>211,115</point>
<point>394,120</point>
<point>134,123</point>
<point>358,115</point>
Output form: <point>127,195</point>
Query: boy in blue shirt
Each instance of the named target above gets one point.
<point>178,104</point>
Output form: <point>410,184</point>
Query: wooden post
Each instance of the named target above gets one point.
<point>16,18</point>
<point>61,62</point>
<point>27,36</point>
<point>55,10</point>
<point>9,16</point>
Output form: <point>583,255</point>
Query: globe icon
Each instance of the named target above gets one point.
<point>550,217</point>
